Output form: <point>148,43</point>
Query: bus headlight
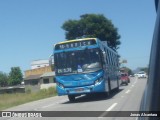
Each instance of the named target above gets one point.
<point>98,81</point>
<point>60,85</point>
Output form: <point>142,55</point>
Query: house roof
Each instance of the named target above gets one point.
<point>48,74</point>
<point>33,77</point>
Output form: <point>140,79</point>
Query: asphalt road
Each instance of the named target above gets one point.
<point>128,98</point>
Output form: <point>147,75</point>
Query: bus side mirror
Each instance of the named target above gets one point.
<point>51,62</point>
<point>103,55</point>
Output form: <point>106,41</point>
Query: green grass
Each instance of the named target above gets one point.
<point>10,100</point>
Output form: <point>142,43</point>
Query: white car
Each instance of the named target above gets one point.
<point>141,75</point>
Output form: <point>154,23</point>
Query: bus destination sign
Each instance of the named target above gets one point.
<point>74,44</point>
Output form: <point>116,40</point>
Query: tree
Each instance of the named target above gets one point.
<point>15,76</point>
<point>93,25</point>
<point>3,79</point>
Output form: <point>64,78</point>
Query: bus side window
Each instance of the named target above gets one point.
<point>117,61</point>
<point>107,57</point>
<point>114,60</point>
<point>110,61</point>
<point>111,58</point>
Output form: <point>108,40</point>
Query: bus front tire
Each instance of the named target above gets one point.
<point>71,98</point>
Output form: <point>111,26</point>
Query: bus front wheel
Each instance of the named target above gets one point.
<point>71,98</point>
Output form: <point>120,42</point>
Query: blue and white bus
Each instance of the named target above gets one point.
<point>85,66</point>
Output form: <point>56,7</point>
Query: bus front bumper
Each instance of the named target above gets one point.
<point>100,87</point>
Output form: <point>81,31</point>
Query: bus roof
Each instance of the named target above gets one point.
<point>75,40</point>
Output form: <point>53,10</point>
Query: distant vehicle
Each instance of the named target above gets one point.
<point>125,78</point>
<point>132,75</point>
<point>141,74</point>
<point>135,74</point>
<point>85,66</point>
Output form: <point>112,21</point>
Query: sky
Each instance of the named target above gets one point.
<point>29,28</point>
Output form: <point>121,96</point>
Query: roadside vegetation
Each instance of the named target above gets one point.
<point>10,100</point>
<point>14,77</point>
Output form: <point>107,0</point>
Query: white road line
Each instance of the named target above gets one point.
<point>109,109</point>
<point>127,91</point>
<point>137,118</point>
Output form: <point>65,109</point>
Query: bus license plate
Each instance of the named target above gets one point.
<point>79,90</point>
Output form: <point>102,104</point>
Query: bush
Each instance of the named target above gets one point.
<point>28,90</point>
<point>10,100</point>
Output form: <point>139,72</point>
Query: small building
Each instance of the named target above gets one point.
<point>39,64</point>
<point>47,80</point>
<point>39,78</point>
<point>32,83</point>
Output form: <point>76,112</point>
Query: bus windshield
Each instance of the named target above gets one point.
<point>80,61</point>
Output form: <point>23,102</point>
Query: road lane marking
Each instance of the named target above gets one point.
<point>127,91</point>
<point>136,81</point>
<point>109,109</point>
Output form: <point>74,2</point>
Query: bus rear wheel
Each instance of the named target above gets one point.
<point>71,98</point>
